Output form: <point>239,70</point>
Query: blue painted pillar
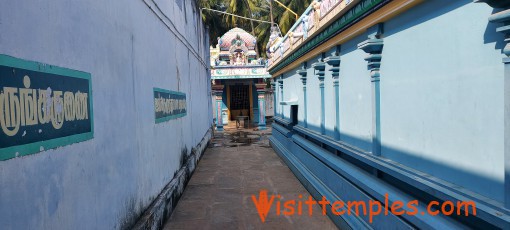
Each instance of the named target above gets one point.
<point>373,46</point>
<point>218,94</point>
<point>320,68</point>
<point>273,87</point>
<point>261,92</point>
<point>255,104</point>
<point>280,83</point>
<point>334,62</point>
<point>503,16</point>
<point>303,72</point>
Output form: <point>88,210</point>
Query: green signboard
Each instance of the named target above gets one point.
<point>42,107</point>
<point>168,105</point>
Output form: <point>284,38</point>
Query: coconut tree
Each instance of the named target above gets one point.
<point>281,16</point>
<point>212,20</point>
<point>263,30</point>
<point>285,18</point>
<point>244,8</point>
<point>257,9</point>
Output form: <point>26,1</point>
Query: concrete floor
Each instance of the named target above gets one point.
<point>236,166</point>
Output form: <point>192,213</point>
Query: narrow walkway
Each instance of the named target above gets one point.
<point>236,166</point>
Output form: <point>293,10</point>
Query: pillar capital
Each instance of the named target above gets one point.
<point>273,84</point>
<point>504,18</point>
<point>303,74</point>
<point>320,68</point>
<point>334,62</point>
<point>217,89</point>
<point>501,17</point>
<point>261,88</point>
<point>280,83</point>
<point>373,47</point>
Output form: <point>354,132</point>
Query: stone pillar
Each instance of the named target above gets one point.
<point>261,92</point>
<point>320,68</point>
<point>218,94</point>
<point>280,82</point>
<point>503,17</point>
<point>334,62</point>
<point>303,73</point>
<point>373,46</point>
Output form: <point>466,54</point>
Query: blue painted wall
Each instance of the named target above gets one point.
<point>292,91</point>
<point>441,111</point>
<point>106,182</point>
<point>355,93</point>
<point>438,114</point>
<point>442,94</point>
<point>313,94</point>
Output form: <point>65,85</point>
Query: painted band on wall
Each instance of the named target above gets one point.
<point>42,107</point>
<point>168,105</point>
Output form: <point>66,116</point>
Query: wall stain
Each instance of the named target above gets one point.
<point>163,205</point>
<point>130,214</point>
<point>184,156</point>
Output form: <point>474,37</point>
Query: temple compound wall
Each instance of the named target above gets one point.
<point>105,110</point>
<point>405,98</point>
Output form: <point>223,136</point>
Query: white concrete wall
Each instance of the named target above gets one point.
<point>106,182</point>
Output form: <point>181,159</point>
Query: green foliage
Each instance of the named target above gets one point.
<point>288,19</point>
<point>212,20</point>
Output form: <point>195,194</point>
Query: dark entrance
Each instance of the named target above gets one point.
<point>294,114</point>
<point>239,101</point>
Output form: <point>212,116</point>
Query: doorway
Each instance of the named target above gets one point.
<point>294,114</point>
<point>239,101</point>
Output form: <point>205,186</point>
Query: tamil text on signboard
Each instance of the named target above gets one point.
<point>42,107</point>
<point>168,105</point>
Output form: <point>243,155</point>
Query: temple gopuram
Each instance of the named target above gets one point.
<point>238,81</point>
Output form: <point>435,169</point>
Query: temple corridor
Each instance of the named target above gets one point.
<point>235,166</point>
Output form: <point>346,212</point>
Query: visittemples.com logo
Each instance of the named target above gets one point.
<point>265,202</point>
